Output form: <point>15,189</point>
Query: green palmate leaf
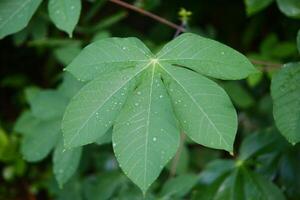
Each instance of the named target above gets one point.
<point>290,8</point>
<point>145,136</point>
<point>107,55</point>
<point>203,108</point>
<point>207,57</point>
<point>65,162</point>
<point>254,6</point>
<point>285,91</point>
<point>65,14</point>
<point>15,15</point>
<point>94,108</point>
<point>138,94</point>
<point>41,139</point>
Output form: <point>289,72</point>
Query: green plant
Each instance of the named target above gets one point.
<point>124,122</point>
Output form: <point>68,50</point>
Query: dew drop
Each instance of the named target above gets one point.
<point>136,104</point>
<point>122,94</point>
<point>57,12</point>
<point>139,93</point>
<point>223,53</point>
<point>114,144</point>
<point>154,139</point>
<point>72,7</point>
<point>161,96</point>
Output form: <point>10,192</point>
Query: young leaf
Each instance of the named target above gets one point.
<point>65,162</point>
<point>107,55</point>
<point>290,8</point>
<point>145,136</point>
<point>203,108</point>
<point>65,14</point>
<point>15,15</point>
<point>95,107</point>
<point>285,91</point>
<point>207,57</point>
<point>254,6</point>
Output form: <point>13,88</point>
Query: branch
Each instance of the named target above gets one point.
<point>148,14</point>
<point>268,65</point>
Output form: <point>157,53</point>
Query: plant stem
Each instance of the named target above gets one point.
<point>177,156</point>
<point>148,14</point>
<point>268,64</point>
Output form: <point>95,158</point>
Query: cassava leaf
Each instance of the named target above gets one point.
<point>96,106</point>
<point>15,15</point>
<point>65,14</point>
<point>207,57</point>
<point>145,136</point>
<point>285,91</point>
<point>65,162</point>
<point>203,108</point>
<point>107,55</point>
<point>142,95</point>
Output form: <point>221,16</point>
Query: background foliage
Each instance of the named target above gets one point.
<point>36,46</point>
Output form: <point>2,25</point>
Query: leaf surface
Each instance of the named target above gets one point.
<point>203,108</point>
<point>285,91</point>
<point>94,108</point>
<point>15,15</point>
<point>207,57</point>
<point>106,55</point>
<point>65,162</point>
<point>290,8</point>
<point>145,136</point>
<point>65,14</point>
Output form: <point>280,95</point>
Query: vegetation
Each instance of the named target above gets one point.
<point>108,100</point>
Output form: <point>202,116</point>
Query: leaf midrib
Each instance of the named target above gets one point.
<point>148,124</point>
